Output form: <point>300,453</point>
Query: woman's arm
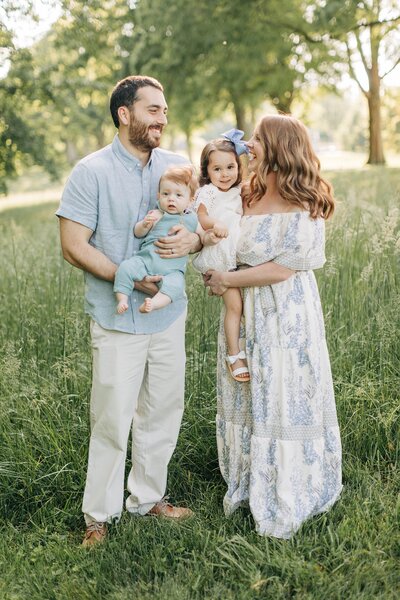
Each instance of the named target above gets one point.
<point>265,274</point>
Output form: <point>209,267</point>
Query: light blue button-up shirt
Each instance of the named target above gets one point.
<point>109,191</point>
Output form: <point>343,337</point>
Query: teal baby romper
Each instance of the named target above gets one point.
<point>148,262</point>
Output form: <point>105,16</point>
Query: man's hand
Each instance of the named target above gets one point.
<point>178,243</point>
<point>148,284</point>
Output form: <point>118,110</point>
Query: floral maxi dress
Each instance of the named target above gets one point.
<point>278,436</point>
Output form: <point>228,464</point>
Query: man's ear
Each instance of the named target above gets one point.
<point>123,115</point>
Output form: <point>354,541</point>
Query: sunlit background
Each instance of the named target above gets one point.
<point>334,65</point>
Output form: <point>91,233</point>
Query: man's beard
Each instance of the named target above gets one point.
<point>139,137</point>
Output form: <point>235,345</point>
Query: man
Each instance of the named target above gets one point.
<point>138,359</point>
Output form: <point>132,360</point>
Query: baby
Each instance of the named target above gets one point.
<point>176,192</point>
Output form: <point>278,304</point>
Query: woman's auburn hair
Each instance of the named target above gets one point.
<point>288,151</point>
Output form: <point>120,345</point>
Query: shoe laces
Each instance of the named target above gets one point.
<point>95,526</point>
<point>164,501</point>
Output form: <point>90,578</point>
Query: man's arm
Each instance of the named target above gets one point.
<point>79,253</point>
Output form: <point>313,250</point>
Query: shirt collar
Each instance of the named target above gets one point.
<point>127,159</point>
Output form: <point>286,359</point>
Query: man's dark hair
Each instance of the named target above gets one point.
<point>125,93</point>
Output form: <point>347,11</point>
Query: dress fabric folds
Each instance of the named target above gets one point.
<point>278,436</point>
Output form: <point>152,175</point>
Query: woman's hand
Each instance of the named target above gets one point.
<point>178,243</point>
<point>215,280</point>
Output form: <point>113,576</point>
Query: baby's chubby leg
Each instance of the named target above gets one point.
<point>172,288</point>
<point>158,301</point>
<point>129,271</point>
<point>122,300</point>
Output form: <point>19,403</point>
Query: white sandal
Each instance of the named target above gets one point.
<point>240,370</point>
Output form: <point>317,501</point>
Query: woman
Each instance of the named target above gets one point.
<point>278,437</point>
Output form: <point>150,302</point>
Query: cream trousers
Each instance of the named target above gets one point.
<point>138,383</point>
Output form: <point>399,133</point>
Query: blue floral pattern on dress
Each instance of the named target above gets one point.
<point>278,437</point>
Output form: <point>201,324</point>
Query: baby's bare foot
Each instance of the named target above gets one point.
<point>146,307</point>
<point>122,307</point>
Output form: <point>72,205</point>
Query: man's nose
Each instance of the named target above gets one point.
<point>163,119</point>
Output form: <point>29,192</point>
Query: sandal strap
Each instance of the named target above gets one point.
<point>240,371</point>
<point>233,358</point>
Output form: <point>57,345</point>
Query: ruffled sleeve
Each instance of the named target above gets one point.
<point>206,196</point>
<point>292,240</point>
<point>303,244</point>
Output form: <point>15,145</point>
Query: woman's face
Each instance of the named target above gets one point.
<point>256,154</point>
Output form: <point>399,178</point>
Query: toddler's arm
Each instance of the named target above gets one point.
<point>218,228</point>
<point>142,228</point>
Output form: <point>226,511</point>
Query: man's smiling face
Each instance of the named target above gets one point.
<point>148,117</point>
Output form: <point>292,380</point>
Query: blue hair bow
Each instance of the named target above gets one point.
<point>235,136</point>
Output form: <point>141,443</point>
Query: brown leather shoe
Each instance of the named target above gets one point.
<point>95,534</point>
<point>167,510</point>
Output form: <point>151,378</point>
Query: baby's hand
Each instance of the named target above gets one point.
<point>220,230</point>
<point>150,218</point>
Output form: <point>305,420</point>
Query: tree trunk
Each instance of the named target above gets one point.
<point>189,144</point>
<point>241,121</point>
<point>71,152</point>
<point>283,104</point>
<point>376,156</point>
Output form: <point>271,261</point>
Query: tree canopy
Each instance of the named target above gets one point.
<point>210,57</point>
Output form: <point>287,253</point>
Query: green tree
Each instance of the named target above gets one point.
<point>219,55</point>
<point>363,33</point>
<point>22,138</point>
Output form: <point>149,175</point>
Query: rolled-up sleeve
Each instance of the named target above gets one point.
<point>80,198</point>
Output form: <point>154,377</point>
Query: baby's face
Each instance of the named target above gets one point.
<point>173,197</point>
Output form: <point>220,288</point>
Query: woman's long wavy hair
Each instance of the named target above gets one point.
<point>288,151</point>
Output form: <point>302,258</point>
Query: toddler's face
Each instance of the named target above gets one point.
<point>173,197</point>
<point>222,169</point>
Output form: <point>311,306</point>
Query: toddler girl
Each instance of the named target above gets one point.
<point>219,207</point>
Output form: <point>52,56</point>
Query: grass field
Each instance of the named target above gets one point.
<point>351,552</point>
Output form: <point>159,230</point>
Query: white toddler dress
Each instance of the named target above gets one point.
<point>227,208</point>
